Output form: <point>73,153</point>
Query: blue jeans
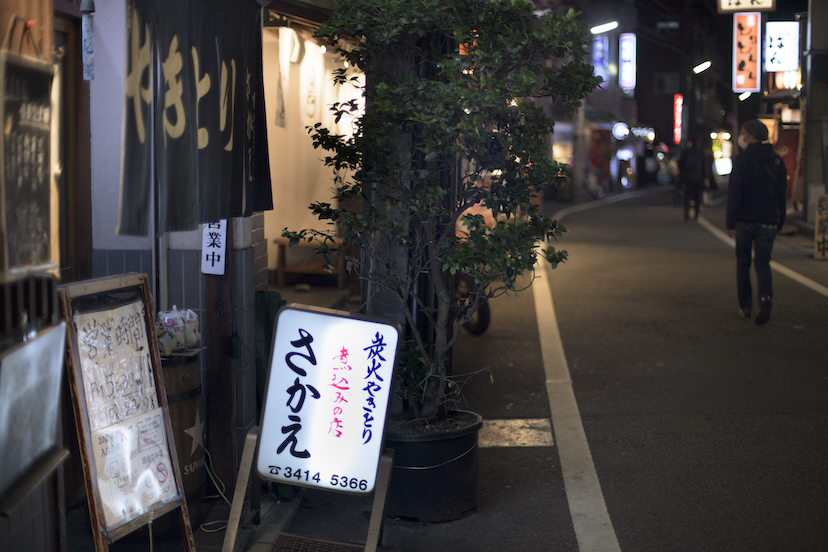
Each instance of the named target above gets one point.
<point>759,238</point>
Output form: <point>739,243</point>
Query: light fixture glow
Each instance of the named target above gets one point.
<point>604,28</point>
<point>702,67</point>
<point>744,95</point>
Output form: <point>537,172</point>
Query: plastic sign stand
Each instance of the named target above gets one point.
<point>326,398</point>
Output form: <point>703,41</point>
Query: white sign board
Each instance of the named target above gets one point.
<point>131,451</point>
<point>115,360</point>
<point>781,46</point>
<point>326,399</point>
<point>133,467</point>
<point>214,247</point>
<point>733,6</point>
<point>627,61</point>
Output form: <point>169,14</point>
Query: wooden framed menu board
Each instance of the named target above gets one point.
<point>128,456</point>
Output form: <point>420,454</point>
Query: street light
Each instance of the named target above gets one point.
<point>702,67</point>
<point>604,28</point>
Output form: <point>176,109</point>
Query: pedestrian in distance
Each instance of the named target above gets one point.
<point>756,205</point>
<point>695,176</point>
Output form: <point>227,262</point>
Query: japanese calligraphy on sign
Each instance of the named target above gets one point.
<point>733,6</point>
<point>115,361</point>
<point>326,399</point>
<point>747,39</point>
<point>821,227</point>
<point>28,225</point>
<point>133,467</point>
<point>214,247</point>
<point>205,130</point>
<point>781,46</point>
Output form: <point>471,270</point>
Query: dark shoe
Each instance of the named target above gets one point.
<point>745,313</point>
<point>764,311</point>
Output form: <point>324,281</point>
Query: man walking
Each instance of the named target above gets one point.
<point>694,176</point>
<point>756,203</point>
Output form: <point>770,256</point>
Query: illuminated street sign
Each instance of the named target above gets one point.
<point>781,46</point>
<point>678,107</point>
<point>733,6</point>
<point>747,36</point>
<point>626,61</point>
<point>326,399</point>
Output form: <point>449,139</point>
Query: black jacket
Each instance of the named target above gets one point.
<point>752,195</point>
<point>692,167</point>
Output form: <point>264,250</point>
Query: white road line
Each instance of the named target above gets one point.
<point>782,269</point>
<point>593,527</point>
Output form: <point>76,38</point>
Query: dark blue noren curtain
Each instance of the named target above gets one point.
<point>194,103</point>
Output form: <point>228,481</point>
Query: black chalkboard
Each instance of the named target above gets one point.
<point>27,113</point>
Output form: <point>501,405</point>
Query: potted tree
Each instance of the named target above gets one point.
<point>442,177</point>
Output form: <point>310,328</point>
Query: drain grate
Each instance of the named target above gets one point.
<point>297,544</point>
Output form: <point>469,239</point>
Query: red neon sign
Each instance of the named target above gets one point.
<point>678,108</point>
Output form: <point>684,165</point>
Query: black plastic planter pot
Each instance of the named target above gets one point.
<point>434,475</point>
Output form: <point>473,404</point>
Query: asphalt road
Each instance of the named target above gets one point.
<point>705,431</point>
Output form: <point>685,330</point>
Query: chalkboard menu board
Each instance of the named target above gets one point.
<point>129,459</point>
<point>27,156</point>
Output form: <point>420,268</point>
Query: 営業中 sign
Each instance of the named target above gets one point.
<point>326,399</point>
<point>214,247</point>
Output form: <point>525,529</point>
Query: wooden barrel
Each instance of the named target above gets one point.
<point>182,380</point>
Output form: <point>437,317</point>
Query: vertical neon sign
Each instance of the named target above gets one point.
<point>678,107</point>
<point>746,51</point>
<point>626,61</point>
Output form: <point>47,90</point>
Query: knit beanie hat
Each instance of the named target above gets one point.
<point>757,129</point>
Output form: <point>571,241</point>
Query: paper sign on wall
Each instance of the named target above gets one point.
<point>131,452</point>
<point>133,467</point>
<point>214,247</point>
<point>326,399</point>
<point>115,363</point>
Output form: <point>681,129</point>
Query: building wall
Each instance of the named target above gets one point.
<point>298,173</point>
<point>36,523</point>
